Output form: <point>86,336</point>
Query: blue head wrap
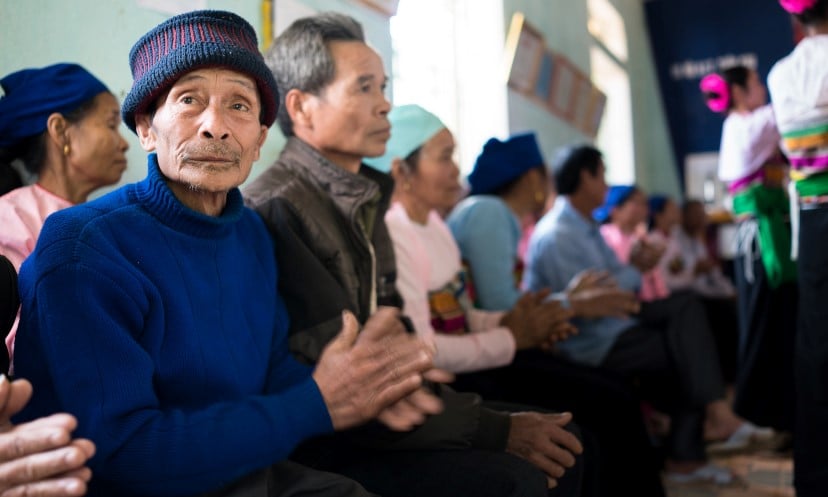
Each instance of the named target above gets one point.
<point>656,203</point>
<point>30,96</point>
<point>616,195</point>
<point>503,161</point>
<point>411,127</point>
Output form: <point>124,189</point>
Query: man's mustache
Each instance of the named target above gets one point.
<point>212,150</point>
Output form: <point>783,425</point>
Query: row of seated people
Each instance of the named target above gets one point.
<point>155,317</point>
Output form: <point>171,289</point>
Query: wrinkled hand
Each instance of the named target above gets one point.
<point>377,372</point>
<point>542,440</point>
<point>604,302</point>
<point>534,322</point>
<point>589,279</point>
<point>645,255</point>
<point>39,458</point>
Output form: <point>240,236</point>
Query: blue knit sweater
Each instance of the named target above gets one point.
<point>161,329</point>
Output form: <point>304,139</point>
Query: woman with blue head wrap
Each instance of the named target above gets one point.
<point>62,123</point>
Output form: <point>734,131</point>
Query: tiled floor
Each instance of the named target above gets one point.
<point>762,474</point>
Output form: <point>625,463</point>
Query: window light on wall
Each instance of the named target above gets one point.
<point>608,58</point>
<point>443,53</point>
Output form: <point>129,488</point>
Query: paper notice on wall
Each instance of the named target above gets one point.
<point>172,6</point>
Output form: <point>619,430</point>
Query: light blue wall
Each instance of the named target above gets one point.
<point>564,27</point>
<point>99,34</point>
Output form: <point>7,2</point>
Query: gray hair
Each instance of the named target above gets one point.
<point>299,58</point>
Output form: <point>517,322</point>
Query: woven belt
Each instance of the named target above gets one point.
<point>813,202</point>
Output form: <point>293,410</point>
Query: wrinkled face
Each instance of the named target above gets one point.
<point>594,186</point>
<point>632,212</point>
<point>97,151</point>
<point>349,117</point>
<point>206,130</point>
<point>434,181</point>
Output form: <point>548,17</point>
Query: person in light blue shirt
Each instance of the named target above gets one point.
<point>667,345</point>
<point>510,182</point>
<point>486,224</point>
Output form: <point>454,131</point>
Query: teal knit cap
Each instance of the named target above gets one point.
<point>411,127</point>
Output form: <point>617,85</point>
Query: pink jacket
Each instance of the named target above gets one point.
<point>653,286</point>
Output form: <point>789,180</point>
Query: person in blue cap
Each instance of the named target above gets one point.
<point>499,352</point>
<point>151,314</point>
<point>63,124</point>
<point>623,218</point>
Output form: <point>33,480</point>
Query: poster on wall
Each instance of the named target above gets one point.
<point>597,104</point>
<point>582,101</point>
<point>525,51</point>
<point>714,35</point>
<point>543,83</point>
<point>564,86</point>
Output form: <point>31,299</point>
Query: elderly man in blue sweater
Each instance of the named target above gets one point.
<point>151,314</point>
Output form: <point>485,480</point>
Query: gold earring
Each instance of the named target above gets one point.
<point>66,149</point>
<point>407,186</point>
<point>539,196</point>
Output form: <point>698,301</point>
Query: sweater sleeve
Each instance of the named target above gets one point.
<point>82,348</point>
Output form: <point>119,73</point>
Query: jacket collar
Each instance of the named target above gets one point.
<point>349,191</point>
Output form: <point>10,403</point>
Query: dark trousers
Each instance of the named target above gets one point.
<point>671,352</point>
<point>811,357</point>
<point>606,407</point>
<point>722,314</point>
<point>764,387</point>
<point>288,479</point>
<point>437,473</point>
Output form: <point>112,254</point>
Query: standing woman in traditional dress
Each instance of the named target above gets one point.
<point>753,169</point>
<point>799,89</point>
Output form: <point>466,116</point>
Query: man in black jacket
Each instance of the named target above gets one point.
<point>326,211</point>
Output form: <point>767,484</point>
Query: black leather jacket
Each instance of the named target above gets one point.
<point>330,239</point>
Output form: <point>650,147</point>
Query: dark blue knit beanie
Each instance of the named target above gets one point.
<point>205,38</point>
<point>30,96</point>
<point>503,161</point>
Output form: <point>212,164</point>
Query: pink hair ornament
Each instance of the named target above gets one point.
<point>797,6</point>
<point>716,92</point>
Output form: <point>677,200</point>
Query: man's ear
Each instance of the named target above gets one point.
<point>300,106</point>
<point>260,143</point>
<point>146,136</point>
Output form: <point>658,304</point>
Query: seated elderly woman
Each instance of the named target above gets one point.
<point>439,295</point>
<point>62,123</point>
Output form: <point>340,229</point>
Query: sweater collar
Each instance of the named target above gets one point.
<point>157,198</point>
